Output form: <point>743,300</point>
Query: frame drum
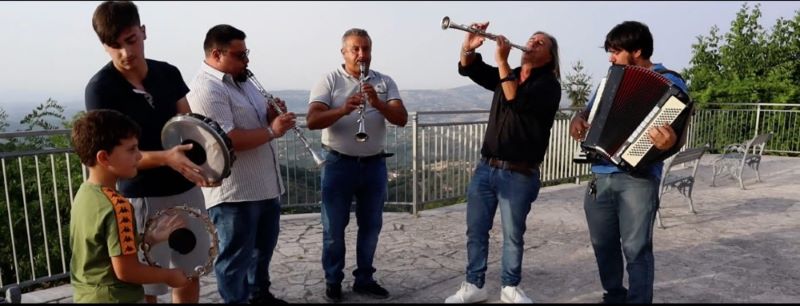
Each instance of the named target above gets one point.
<point>212,150</point>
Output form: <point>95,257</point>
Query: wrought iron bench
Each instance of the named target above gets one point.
<point>735,156</point>
<point>682,181</point>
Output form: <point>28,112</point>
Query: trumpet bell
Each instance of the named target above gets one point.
<point>317,158</point>
<point>361,136</point>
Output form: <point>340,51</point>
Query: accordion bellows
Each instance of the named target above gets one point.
<point>630,101</point>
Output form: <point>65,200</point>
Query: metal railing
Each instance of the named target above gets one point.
<point>435,155</point>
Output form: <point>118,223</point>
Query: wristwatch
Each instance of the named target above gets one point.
<point>510,77</point>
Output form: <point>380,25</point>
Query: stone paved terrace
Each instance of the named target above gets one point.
<point>741,247</point>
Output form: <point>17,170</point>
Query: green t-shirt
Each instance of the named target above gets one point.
<point>101,226</point>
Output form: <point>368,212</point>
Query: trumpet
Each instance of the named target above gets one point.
<point>447,24</point>
<point>271,101</point>
<point>361,135</point>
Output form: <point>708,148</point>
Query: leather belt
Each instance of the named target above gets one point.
<point>357,158</point>
<point>519,167</point>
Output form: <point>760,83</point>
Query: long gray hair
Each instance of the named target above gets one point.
<point>553,53</point>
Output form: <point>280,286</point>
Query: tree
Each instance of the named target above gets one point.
<point>747,64</point>
<point>3,120</point>
<point>47,116</point>
<point>577,86</point>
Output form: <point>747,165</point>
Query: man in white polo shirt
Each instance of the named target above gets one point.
<point>353,169</point>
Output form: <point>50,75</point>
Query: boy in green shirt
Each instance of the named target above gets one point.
<point>104,266</point>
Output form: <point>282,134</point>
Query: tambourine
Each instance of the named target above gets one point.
<point>212,150</point>
<point>193,247</point>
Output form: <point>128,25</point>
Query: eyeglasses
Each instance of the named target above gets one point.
<point>242,55</point>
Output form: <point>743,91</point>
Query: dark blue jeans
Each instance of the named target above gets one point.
<point>248,233</point>
<point>620,217</point>
<point>514,193</point>
<point>342,180</point>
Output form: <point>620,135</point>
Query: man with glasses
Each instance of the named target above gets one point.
<point>246,208</point>
<point>150,92</point>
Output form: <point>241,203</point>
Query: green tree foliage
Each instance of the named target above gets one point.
<point>3,120</point>
<point>578,85</point>
<point>747,64</point>
<point>36,198</point>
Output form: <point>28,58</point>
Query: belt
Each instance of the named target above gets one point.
<point>520,167</point>
<point>357,158</point>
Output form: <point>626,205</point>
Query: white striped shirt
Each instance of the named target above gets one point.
<point>254,175</point>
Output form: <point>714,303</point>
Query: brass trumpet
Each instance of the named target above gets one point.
<point>271,101</point>
<point>361,135</point>
<point>446,24</point>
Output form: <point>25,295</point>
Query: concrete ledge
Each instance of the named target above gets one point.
<point>60,294</point>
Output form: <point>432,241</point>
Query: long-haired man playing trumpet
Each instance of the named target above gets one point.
<point>523,108</point>
<point>353,169</point>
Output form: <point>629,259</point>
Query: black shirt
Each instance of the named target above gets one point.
<point>518,130</point>
<point>110,90</point>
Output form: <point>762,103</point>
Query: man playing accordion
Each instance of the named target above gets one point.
<point>621,206</point>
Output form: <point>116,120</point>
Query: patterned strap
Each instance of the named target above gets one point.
<point>123,211</point>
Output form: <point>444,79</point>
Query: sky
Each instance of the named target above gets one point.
<point>50,49</point>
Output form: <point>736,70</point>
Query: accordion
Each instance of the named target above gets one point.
<point>629,102</point>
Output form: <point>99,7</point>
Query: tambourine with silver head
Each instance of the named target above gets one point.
<point>193,246</point>
<point>212,150</point>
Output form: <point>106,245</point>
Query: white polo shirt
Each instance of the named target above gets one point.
<point>254,174</point>
<point>333,90</point>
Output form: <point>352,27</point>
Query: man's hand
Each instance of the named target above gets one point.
<point>283,123</point>
<point>472,41</point>
<point>503,48</point>
<point>177,279</point>
<point>281,105</point>
<point>578,127</point>
<point>663,137</point>
<point>374,101</point>
<point>177,160</point>
<point>163,228</point>
<point>352,103</point>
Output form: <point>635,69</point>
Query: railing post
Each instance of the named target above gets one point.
<point>414,201</point>
<point>758,117</point>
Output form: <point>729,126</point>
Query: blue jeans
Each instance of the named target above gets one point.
<point>342,179</point>
<point>620,218</point>
<point>248,233</point>
<point>515,193</point>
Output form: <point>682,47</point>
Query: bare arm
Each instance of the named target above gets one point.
<point>393,110</point>
<point>128,269</point>
<point>471,42</point>
<point>183,106</point>
<point>251,138</point>
<point>321,115</point>
<point>501,56</point>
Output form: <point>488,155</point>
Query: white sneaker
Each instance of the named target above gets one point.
<point>468,293</point>
<point>512,294</point>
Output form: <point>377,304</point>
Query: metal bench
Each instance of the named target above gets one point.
<point>735,156</point>
<point>682,181</point>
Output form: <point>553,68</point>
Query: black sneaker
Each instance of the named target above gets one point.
<point>266,298</point>
<point>371,289</point>
<point>616,297</point>
<point>333,292</point>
